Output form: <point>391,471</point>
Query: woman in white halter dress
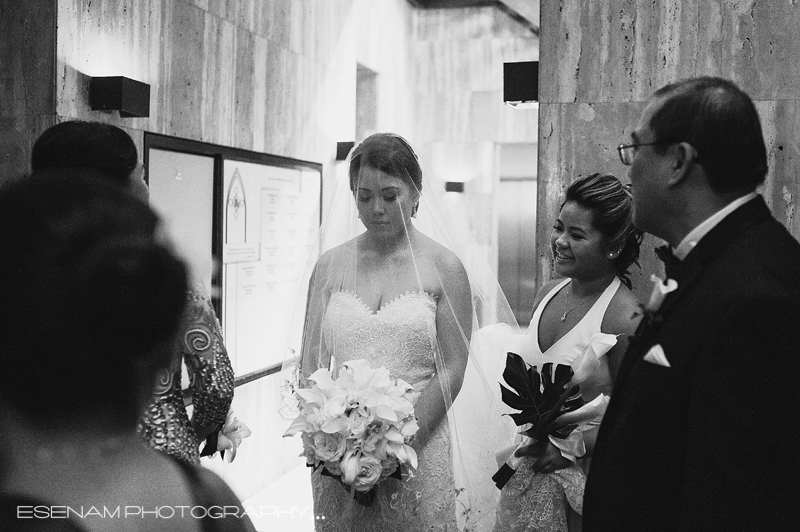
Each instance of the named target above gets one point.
<point>593,251</point>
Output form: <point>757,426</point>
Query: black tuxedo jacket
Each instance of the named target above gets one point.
<point>711,442</point>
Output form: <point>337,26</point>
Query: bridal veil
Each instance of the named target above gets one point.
<point>434,258</point>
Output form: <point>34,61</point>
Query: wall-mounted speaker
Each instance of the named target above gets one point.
<point>117,93</point>
<point>521,83</point>
<point>454,186</point>
<point>343,149</point>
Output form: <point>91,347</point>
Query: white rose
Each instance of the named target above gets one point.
<point>362,471</point>
<point>358,423</point>
<point>329,447</point>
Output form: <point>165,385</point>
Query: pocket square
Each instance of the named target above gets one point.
<point>656,356</point>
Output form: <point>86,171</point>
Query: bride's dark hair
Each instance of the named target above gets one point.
<point>91,297</point>
<point>611,204</point>
<point>388,153</point>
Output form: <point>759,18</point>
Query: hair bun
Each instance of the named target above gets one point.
<point>133,285</point>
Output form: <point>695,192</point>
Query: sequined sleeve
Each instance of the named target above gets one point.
<point>210,372</point>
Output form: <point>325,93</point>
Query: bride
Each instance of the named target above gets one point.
<point>403,299</point>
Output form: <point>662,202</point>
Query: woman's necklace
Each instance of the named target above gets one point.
<point>576,307</point>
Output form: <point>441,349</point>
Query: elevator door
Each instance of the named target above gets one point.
<point>516,245</point>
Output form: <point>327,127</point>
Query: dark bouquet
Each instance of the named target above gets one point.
<point>541,398</point>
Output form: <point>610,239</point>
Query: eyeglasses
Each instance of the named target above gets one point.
<point>626,151</point>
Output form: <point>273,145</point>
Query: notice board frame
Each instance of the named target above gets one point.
<point>220,155</point>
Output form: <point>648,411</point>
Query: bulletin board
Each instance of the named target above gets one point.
<point>270,222</point>
<point>247,224</point>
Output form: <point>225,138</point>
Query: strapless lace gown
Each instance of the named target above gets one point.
<point>400,337</point>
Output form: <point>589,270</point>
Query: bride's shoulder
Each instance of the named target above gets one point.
<point>442,256</point>
<point>334,256</point>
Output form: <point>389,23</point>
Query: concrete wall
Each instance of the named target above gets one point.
<point>27,78</point>
<point>274,76</point>
<point>601,60</point>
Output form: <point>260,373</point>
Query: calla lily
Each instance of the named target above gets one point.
<point>334,407</point>
<point>386,413</point>
<point>394,436</point>
<point>591,411</point>
<point>409,428</point>
<point>587,362</point>
<point>363,376</point>
<point>372,398</point>
<point>338,424</point>
<point>405,453</point>
<point>298,425</point>
<point>231,436</point>
<point>660,290</point>
<point>571,446</point>
<point>312,396</point>
<point>322,377</point>
<point>399,389</point>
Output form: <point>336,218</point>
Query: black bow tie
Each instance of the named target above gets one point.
<point>672,264</point>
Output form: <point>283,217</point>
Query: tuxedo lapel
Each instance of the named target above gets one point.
<point>651,324</point>
<point>691,270</point>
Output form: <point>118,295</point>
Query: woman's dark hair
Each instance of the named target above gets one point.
<point>76,143</point>
<point>388,153</point>
<point>720,121</point>
<point>611,204</point>
<point>90,297</point>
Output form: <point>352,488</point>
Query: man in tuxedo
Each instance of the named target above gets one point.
<point>702,429</point>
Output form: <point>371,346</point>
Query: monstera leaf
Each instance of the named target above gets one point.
<point>540,397</point>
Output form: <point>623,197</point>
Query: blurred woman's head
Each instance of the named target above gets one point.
<point>595,229</point>
<point>104,147</point>
<point>91,298</point>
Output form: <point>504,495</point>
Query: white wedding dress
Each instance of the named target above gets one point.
<point>399,336</point>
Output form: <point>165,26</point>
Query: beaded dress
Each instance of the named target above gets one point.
<point>165,425</point>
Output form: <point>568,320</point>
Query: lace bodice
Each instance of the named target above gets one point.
<point>401,335</point>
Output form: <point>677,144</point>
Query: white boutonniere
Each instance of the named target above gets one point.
<point>660,290</point>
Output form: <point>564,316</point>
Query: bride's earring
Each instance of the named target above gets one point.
<point>414,210</point>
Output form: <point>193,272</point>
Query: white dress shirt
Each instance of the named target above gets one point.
<point>695,235</point>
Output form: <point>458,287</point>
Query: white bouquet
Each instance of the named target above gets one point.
<point>357,427</point>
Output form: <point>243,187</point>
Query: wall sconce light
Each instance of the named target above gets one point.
<point>454,186</point>
<point>343,149</point>
<point>129,97</point>
<point>521,84</point>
